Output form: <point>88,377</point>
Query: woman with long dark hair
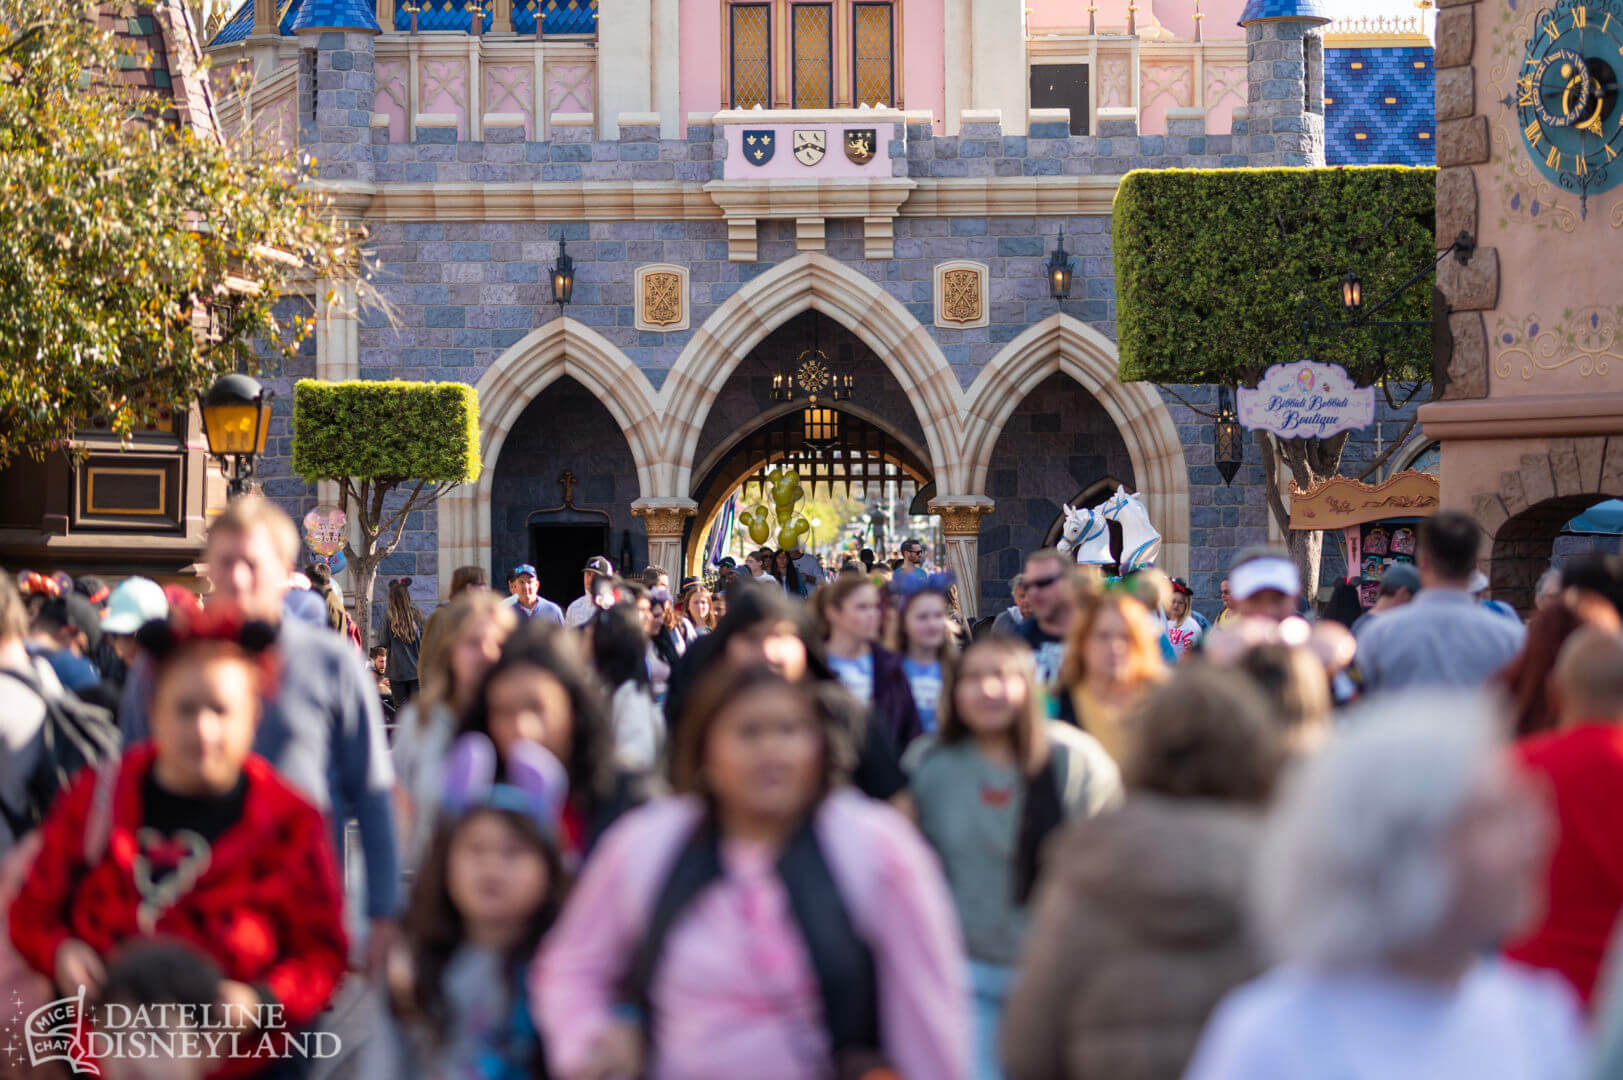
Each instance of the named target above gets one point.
<point>783,567</point>
<point>767,921</point>
<point>764,627</point>
<point>491,886</point>
<point>619,652</point>
<point>401,633</point>
<point>848,616</point>
<point>923,636</point>
<point>543,690</point>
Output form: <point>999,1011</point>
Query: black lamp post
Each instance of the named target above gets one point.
<point>236,421</point>
<point>1059,271</point>
<point>562,274</point>
<point>1229,443</point>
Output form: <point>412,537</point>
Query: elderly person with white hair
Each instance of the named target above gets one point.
<point>1394,864</point>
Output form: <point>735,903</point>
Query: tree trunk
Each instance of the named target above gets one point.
<point>1309,462</point>
<point>364,569</point>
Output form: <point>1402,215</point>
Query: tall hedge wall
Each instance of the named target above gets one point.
<point>1212,263</point>
<point>391,430</point>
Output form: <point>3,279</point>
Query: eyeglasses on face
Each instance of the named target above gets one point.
<point>1042,582</point>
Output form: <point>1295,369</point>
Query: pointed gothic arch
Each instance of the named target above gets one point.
<point>1065,345</point>
<point>809,281</point>
<point>561,348</point>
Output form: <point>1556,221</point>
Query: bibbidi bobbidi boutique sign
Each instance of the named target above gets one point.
<point>85,1035</point>
<point>1304,400</point>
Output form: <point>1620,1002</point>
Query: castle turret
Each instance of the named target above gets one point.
<point>338,86</point>
<point>1284,46</point>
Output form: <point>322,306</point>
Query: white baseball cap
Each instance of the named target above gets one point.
<point>1261,574</point>
<point>136,602</point>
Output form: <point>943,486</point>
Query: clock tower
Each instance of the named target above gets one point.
<point>1529,136</point>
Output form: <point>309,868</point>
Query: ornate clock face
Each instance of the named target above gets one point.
<point>1566,95</point>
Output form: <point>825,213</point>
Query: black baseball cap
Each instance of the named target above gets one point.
<point>597,564</point>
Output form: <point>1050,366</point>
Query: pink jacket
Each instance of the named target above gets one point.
<point>735,994</point>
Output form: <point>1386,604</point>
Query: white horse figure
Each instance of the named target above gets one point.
<point>1140,542</point>
<point>1086,534</point>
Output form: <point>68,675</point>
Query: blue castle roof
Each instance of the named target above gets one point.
<point>241,23</point>
<point>1379,107</point>
<point>336,15</point>
<point>1256,10</point>
<point>561,17</point>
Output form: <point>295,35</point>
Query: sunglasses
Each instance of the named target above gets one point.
<point>1042,582</point>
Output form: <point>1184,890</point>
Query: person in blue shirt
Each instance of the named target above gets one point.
<point>924,639</point>
<point>526,599</point>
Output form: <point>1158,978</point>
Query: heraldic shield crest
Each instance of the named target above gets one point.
<point>758,146</point>
<point>810,145</point>
<point>860,144</point>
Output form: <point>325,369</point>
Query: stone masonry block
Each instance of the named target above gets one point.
<point>1456,92</point>
<point>1538,483</point>
<point>1456,201</point>
<point>1456,37</point>
<point>1611,472</point>
<point>1473,286</point>
<point>1468,367</point>
<point>1462,142</point>
<point>1564,468</point>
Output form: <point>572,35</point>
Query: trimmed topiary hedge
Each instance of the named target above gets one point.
<point>1211,265</point>
<point>392,430</point>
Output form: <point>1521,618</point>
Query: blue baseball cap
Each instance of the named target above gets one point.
<point>521,569</point>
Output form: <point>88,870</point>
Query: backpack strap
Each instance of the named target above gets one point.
<point>696,867</point>
<point>841,960</point>
<point>99,824</point>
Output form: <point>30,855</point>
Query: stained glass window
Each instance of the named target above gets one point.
<point>871,60</point>
<point>752,56</point>
<point>814,66</point>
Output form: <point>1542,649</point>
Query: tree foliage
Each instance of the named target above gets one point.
<point>376,439</point>
<point>1223,273</point>
<point>121,233</point>
<point>1213,264</point>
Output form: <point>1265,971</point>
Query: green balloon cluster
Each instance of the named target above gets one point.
<point>792,527</point>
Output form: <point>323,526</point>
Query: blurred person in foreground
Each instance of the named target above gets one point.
<point>1526,679</point>
<point>1581,764</point>
<point>1263,584</point>
<point>1394,863</point>
<point>767,921</point>
<point>1139,925</point>
<point>192,835</point>
<point>322,726</point>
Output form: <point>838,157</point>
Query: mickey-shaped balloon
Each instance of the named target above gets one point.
<point>759,522</point>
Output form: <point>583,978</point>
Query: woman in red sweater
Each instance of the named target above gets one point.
<point>192,837</point>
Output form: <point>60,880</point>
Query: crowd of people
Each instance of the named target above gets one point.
<point>801,823</point>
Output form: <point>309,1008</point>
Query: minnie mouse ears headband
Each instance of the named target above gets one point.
<point>161,637</point>
<point>537,783</point>
<point>908,586</point>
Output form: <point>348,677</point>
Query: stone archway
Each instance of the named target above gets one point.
<point>1065,345</point>
<point>563,347</point>
<point>1534,501</point>
<point>807,281</point>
